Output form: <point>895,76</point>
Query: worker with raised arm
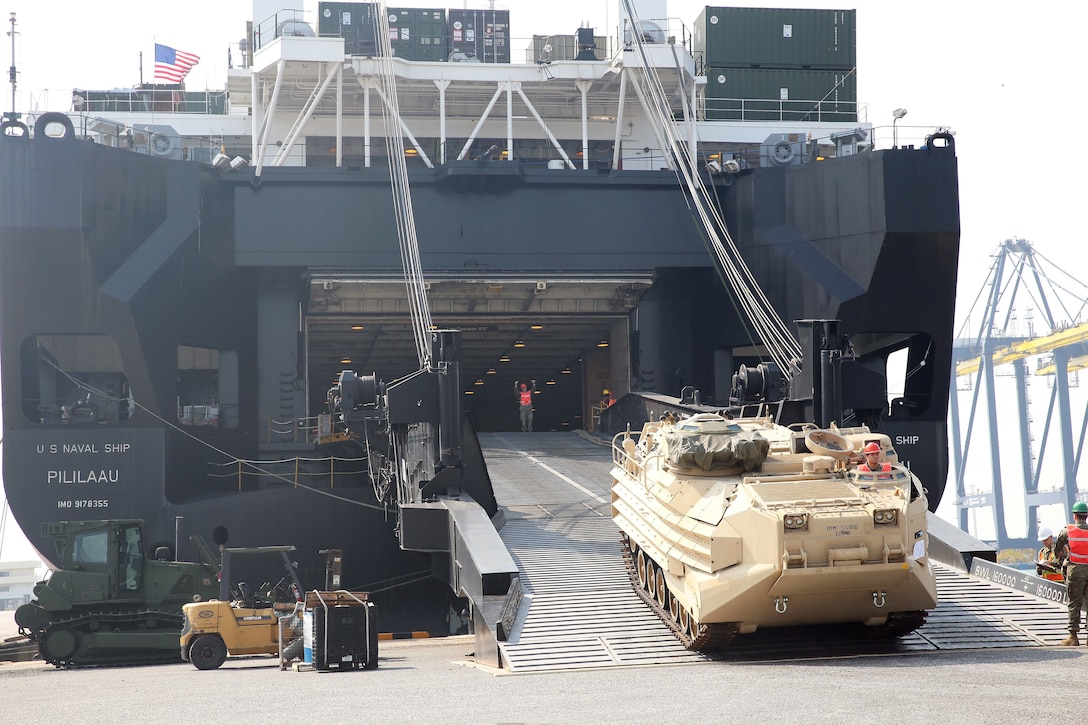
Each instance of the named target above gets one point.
<point>524,395</point>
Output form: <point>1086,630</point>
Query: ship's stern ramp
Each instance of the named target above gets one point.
<point>579,610</point>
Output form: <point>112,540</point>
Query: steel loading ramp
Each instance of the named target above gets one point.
<point>579,610</point>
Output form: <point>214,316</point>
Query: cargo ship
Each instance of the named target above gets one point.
<point>183,275</point>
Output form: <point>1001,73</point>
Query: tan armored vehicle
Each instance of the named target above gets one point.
<point>736,524</point>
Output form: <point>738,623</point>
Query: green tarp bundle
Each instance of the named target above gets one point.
<point>691,449</point>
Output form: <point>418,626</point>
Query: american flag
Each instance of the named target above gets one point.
<point>172,65</point>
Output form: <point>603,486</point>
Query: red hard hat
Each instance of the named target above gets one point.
<point>873,447</point>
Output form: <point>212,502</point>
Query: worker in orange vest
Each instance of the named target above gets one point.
<point>872,459</point>
<point>1075,537</point>
<point>525,404</point>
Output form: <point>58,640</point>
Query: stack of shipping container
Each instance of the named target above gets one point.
<point>769,64</point>
<point>432,34</point>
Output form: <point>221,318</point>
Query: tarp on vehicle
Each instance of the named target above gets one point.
<point>709,451</point>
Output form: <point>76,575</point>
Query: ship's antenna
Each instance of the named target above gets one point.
<point>12,115</point>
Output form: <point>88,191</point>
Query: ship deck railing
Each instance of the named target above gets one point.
<point>769,109</point>
<point>319,472</point>
<point>152,99</point>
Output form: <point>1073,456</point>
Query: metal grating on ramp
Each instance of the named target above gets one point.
<point>582,611</point>
<point>972,613</point>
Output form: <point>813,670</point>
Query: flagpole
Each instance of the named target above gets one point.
<point>141,68</point>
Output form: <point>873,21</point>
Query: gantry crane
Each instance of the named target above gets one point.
<point>1020,272</point>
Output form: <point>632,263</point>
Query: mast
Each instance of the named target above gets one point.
<point>12,115</point>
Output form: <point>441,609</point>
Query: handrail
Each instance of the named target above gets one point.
<point>253,469</point>
<point>773,109</point>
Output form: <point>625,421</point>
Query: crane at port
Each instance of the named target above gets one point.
<point>1021,284</point>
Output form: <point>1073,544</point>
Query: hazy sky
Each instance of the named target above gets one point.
<point>1005,76</point>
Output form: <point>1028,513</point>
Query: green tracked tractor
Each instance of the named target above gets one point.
<point>110,603</point>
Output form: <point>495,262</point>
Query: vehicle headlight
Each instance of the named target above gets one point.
<point>885,517</point>
<point>795,522</point>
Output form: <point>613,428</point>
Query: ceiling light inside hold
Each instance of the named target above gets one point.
<point>565,371</point>
<point>491,371</point>
<point>519,343</point>
<point>504,358</point>
<point>345,361</point>
<point>536,327</point>
<point>356,327</point>
<point>602,343</point>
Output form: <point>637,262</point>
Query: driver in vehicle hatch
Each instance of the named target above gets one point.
<point>872,459</point>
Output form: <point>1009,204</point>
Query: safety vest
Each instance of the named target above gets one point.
<point>525,397</point>
<point>1046,554</point>
<point>1078,544</point>
<point>864,467</point>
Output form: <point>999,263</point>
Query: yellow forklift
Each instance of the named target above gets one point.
<point>245,624</point>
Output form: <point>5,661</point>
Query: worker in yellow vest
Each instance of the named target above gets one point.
<point>1047,564</point>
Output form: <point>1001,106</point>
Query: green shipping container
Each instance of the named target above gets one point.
<point>776,38</point>
<point>418,34</point>
<point>354,22</point>
<point>762,94</point>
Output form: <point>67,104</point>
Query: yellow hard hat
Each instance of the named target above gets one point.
<point>605,392</point>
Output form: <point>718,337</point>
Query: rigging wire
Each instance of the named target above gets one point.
<point>402,195</point>
<point>771,330</point>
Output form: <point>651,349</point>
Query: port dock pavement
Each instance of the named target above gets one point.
<point>435,680</point>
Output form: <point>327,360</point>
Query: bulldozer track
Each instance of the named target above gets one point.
<point>87,625</point>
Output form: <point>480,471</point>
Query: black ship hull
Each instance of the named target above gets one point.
<point>154,337</point>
